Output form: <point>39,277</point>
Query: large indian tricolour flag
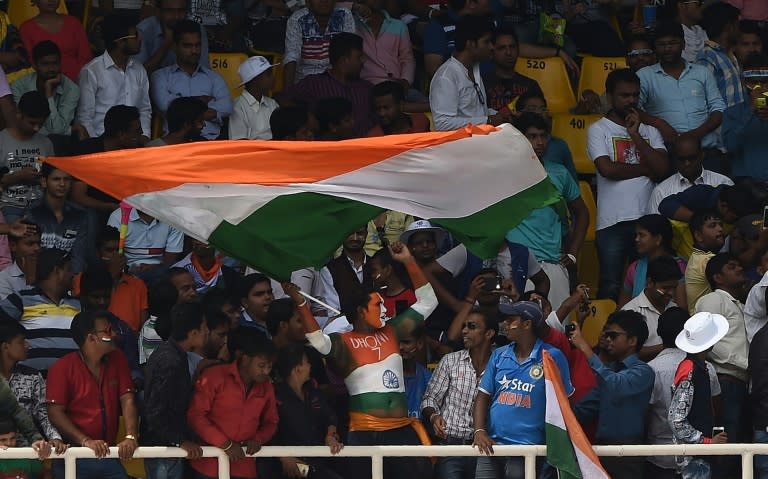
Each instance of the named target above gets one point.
<point>284,205</point>
<point>568,448</point>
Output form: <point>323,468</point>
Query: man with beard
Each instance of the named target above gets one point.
<point>114,78</point>
<point>189,77</point>
<point>345,274</point>
<point>157,36</point>
<point>61,92</point>
<point>185,122</point>
<point>629,157</point>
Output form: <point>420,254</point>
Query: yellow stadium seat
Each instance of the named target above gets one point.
<point>552,76</point>
<point>594,71</point>
<point>573,130</point>
<point>226,65</point>
<point>275,58</point>
<point>134,467</point>
<point>600,309</point>
<point>20,11</point>
<point>431,120</point>
<point>589,200</point>
<point>588,266</point>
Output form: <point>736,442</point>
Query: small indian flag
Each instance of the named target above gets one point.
<point>285,205</point>
<point>568,449</point>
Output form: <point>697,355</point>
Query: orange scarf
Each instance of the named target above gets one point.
<point>206,275</point>
<point>359,421</point>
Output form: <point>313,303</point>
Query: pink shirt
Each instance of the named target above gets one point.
<point>5,248</point>
<point>5,88</point>
<point>71,40</point>
<point>388,56</point>
<point>751,9</point>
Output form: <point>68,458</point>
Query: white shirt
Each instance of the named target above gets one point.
<point>665,367</point>
<point>104,85</point>
<point>755,316</point>
<point>731,354</point>
<point>695,37</point>
<point>642,305</point>
<point>455,100</point>
<point>677,183</point>
<point>12,280</point>
<point>250,117</point>
<point>622,200</point>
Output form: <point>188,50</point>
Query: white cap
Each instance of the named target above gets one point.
<point>701,332</point>
<point>423,226</point>
<point>251,68</point>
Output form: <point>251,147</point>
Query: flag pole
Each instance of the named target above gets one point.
<point>321,303</point>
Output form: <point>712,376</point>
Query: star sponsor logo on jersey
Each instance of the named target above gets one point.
<point>390,379</point>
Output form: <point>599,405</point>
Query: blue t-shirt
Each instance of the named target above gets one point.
<point>546,247</point>
<point>517,391</point>
<point>415,386</point>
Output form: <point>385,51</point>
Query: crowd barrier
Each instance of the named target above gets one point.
<point>377,454</point>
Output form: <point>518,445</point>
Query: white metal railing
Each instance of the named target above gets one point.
<point>377,454</point>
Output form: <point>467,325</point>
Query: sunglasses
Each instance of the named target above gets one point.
<point>469,326</point>
<point>640,53</point>
<point>612,335</point>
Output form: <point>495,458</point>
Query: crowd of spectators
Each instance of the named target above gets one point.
<point>171,343</point>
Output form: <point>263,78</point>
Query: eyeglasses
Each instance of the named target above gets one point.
<point>612,335</point>
<point>693,2</point>
<point>643,52</point>
<point>127,37</point>
<point>469,326</point>
<point>480,96</point>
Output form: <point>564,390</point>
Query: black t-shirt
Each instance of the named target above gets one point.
<point>501,91</point>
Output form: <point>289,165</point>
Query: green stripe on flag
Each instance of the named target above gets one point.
<point>304,229</point>
<point>560,453</point>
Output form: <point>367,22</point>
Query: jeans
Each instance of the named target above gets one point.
<point>761,462</point>
<point>500,467</point>
<point>734,418</point>
<point>93,469</point>
<point>697,469</point>
<point>456,467</point>
<point>167,468</point>
<point>394,467</point>
<point>615,246</point>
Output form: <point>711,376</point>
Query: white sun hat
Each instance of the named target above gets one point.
<point>701,332</point>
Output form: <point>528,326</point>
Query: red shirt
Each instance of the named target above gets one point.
<point>72,385</point>
<point>582,377</point>
<point>129,299</point>
<point>222,411</point>
<point>71,40</point>
<point>390,302</point>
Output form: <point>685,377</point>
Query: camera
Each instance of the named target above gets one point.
<point>569,328</point>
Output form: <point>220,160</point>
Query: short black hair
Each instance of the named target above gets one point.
<point>671,322</point>
<point>252,342</point>
<point>185,318</point>
<point>388,87</point>
<point>331,110</point>
<point>635,39</point>
<point>622,75</point>
<point>84,323</point>
<point>717,16</point>
<point>343,44</point>
<point>286,121</point>
<point>357,296</point>
<point>116,26</point>
<point>280,311</point>
<point>34,104</point>
<point>95,278</point>
<point>669,28</point>
<point>384,258</point>
<point>183,27</point>
<point>7,425</point>
<point>44,49</point>
<point>503,30</point>
<point>750,27</point>
<point>215,319</point>
<point>108,233</point>
<point>118,119</point>
<point>739,198</point>
<point>491,321</point>
<point>471,28</point>
<point>249,281</point>
<point>529,120</point>
<point>633,323</point>
<point>162,297</point>
<point>9,330</point>
<point>663,268</point>
<point>288,358</point>
<point>182,111</point>
<point>215,299</point>
<point>715,266</point>
<point>46,169</point>
<point>533,93</point>
<point>48,260</point>
<point>699,218</point>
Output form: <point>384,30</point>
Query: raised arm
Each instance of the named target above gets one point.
<point>426,301</point>
<point>316,337</point>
